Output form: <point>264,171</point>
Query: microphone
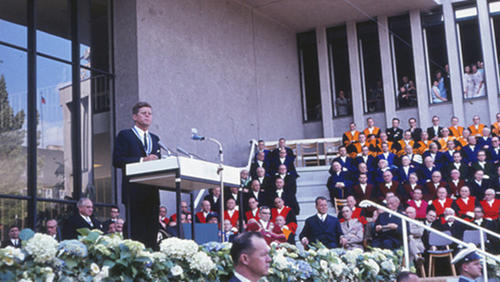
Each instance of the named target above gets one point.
<point>184,152</point>
<point>195,136</point>
<point>165,148</point>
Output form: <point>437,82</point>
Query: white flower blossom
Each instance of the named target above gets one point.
<point>323,264</point>
<point>94,269</point>
<point>388,265</point>
<point>280,261</point>
<point>202,262</point>
<point>321,252</point>
<point>176,270</point>
<point>178,248</point>
<point>104,273</point>
<point>42,247</point>
<point>372,265</point>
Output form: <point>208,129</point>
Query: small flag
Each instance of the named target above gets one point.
<point>43,100</point>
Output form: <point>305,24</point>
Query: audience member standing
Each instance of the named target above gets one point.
<point>83,219</point>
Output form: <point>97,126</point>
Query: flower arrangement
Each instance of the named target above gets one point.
<point>98,257</point>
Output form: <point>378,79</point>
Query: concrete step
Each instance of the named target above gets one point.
<point>311,184</point>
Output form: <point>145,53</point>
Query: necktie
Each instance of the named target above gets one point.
<point>145,140</point>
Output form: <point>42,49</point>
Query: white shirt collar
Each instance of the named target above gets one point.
<point>279,210</point>
<point>140,131</point>
<point>322,217</point>
<point>241,277</point>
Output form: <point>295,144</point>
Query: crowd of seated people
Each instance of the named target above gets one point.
<point>424,173</point>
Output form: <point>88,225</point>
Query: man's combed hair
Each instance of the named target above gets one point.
<point>243,244</point>
<point>320,198</point>
<point>139,105</point>
<point>81,201</point>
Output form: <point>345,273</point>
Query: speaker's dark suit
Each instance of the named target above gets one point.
<point>327,232</point>
<point>75,222</point>
<point>142,200</point>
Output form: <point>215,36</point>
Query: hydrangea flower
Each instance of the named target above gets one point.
<point>178,248</point>
<point>73,248</point>
<point>202,262</point>
<point>42,247</point>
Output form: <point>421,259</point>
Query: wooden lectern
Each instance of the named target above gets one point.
<point>182,175</point>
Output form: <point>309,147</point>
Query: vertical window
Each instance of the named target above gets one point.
<point>470,50</point>
<point>371,72</point>
<point>338,55</point>
<point>436,57</point>
<point>402,61</point>
<point>309,76</point>
<point>54,105</point>
<point>13,121</point>
<point>95,87</point>
<point>494,9</point>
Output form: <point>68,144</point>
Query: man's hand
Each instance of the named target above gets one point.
<point>378,228</point>
<point>392,226</point>
<point>150,158</point>
<point>343,241</point>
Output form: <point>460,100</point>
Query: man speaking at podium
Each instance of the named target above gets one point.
<point>132,145</point>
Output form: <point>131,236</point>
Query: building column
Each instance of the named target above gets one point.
<point>387,71</point>
<point>324,82</point>
<point>457,92</point>
<point>355,72</point>
<point>417,40</point>
<point>488,57</point>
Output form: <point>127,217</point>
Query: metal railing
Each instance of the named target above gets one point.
<point>325,151</point>
<point>482,230</point>
<point>253,144</point>
<point>405,219</point>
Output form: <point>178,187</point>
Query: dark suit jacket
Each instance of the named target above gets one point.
<point>289,199</point>
<point>234,279</point>
<point>349,163</point>
<point>129,149</point>
<point>432,134</point>
<point>403,177</point>
<point>489,169</point>
<point>470,155</point>
<point>416,134</point>
<point>261,198</point>
<point>327,232</point>
<point>75,222</point>
<point>255,165</point>
<point>391,158</point>
<point>370,162</point>
<point>478,190</point>
<point>394,134</point>
<point>289,163</point>
<point>493,155</point>
<point>215,206</point>
<point>8,242</point>
<point>425,174</point>
<point>370,193</point>
<point>464,170</point>
<point>341,177</point>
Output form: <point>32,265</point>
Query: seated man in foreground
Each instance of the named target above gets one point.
<point>322,227</point>
<point>388,228</point>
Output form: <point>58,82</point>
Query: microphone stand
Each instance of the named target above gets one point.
<point>220,171</point>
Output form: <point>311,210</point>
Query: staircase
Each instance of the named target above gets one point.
<point>311,184</point>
